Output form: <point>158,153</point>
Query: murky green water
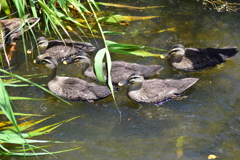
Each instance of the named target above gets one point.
<point>208,119</point>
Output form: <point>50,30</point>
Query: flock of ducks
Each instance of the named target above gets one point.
<point>140,90</point>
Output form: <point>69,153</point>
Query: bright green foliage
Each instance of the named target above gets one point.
<point>98,64</point>
<point>131,49</point>
<point>30,82</point>
<point>5,104</point>
<point>13,135</point>
<point>5,7</point>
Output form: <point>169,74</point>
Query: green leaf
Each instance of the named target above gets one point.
<point>5,104</point>
<point>21,114</point>
<point>112,19</point>
<point>95,5</point>
<point>113,32</point>
<point>136,53</point>
<point>109,66</point>
<point>127,47</point>
<point>5,7</point>
<point>26,98</point>
<point>98,64</point>
<point>26,80</point>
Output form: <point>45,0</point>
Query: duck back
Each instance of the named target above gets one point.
<point>159,90</point>
<point>197,58</point>
<point>121,70</point>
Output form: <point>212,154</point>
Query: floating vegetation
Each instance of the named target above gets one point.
<point>222,6</point>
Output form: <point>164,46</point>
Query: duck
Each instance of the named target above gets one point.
<point>155,90</point>
<point>120,70</point>
<point>193,59</point>
<point>70,88</point>
<point>60,50</point>
<point>11,28</point>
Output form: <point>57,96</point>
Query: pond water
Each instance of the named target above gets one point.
<point>207,122</point>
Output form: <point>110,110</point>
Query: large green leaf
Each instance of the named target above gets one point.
<point>98,64</point>
<point>136,53</point>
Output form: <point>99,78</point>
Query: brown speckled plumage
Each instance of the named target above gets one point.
<point>191,59</point>
<point>60,50</point>
<point>73,89</point>
<point>156,90</point>
<point>120,70</point>
<point>11,28</point>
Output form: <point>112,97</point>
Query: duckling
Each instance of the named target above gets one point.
<point>120,70</point>
<point>192,59</point>
<point>60,50</point>
<point>155,90</point>
<point>11,28</point>
<point>72,89</point>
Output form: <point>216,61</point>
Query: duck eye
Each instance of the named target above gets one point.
<point>132,78</point>
<point>40,42</point>
<point>45,62</point>
<point>76,60</point>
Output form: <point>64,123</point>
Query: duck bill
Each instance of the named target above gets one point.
<point>69,60</point>
<point>37,61</point>
<point>122,83</point>
<point>165,56</point>
<point>65,62</point>
<point>32,49</point>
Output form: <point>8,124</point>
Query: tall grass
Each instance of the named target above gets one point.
<point>13,134</point>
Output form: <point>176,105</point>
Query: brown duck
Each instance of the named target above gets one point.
<point>72,89</point>
<point>120,70</point>
<point>61,50</point>
<point>11,28</point>
<point>191,59</point>
<point>155,90</point>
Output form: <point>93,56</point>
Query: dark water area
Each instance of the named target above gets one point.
<point>207,122</point>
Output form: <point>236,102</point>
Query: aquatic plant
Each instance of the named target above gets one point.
<point>12,135</point>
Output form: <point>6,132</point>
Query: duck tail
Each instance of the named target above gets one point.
<point>186,83</point>
<point>228,52</point>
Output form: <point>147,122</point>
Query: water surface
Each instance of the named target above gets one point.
<point>208,119</point>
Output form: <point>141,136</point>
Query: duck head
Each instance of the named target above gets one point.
<point>42,43</point>
<point>135,78</point>
<point>79,58</point>
<point>176,50</point>
<point>49,62</point>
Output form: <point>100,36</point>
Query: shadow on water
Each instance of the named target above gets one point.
<point>208,118</point>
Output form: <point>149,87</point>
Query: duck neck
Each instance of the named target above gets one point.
<point>86,64</point>
<point>53,73</point>
<point>42,49</point>
<point>135,86</point>
<point>176,58</point>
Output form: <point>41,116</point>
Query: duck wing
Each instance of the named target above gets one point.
<point>158,90</point>
<point>197,58</point>
<point>75,89</point>
<point>81,46</point>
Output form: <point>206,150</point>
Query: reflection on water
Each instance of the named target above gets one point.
<point>208,118</point>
